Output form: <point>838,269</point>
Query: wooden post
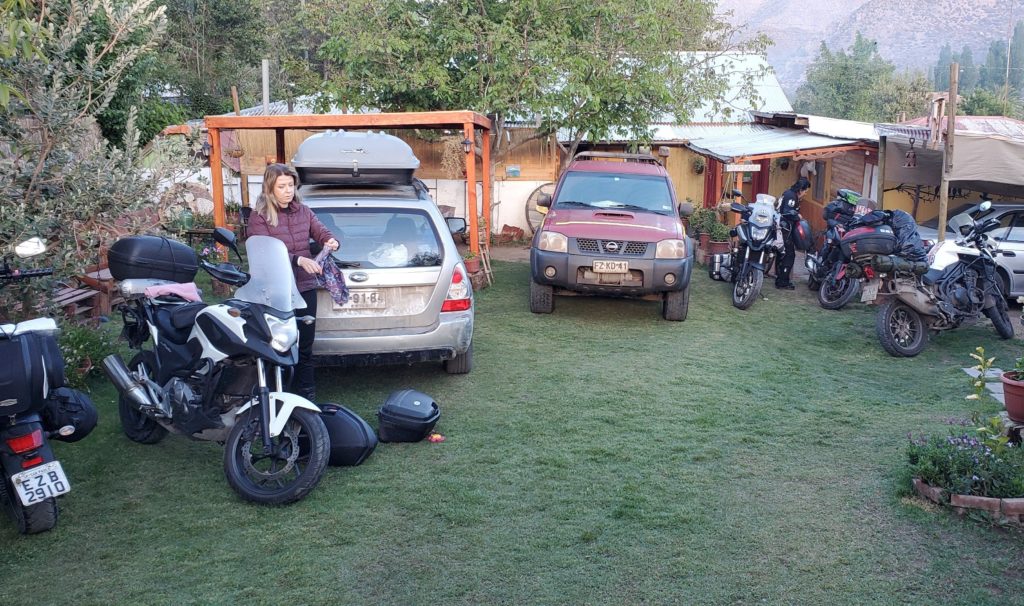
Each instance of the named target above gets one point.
<point>216,177</point>
<point>279,136</point>
<point>486,179</point>
<point>471,209</point>
<point>880,188</point>
<point>947,153</point>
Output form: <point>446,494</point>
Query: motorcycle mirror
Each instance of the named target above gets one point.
<point>987,204</point>
<point>226,237</point>
<point>737,207</point>
<point>30,248</point>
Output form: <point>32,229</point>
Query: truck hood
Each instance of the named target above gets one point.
<point>613,224</point>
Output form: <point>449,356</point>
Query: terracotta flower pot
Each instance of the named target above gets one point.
<point>472,265</point>
<point>715,248</point>
<point>704,239</point>
<point>1013,396</point>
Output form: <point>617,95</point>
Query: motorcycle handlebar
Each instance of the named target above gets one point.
<point>15,275</point>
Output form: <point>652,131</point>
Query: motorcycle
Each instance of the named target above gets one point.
<point>826,268</point>
<point>210,371</point>
<point>758,235</point>
<point>36,407</point>
<point>955,286</point>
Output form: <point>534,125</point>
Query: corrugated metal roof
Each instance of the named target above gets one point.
<point>846,129</point>
<point>991,125</point>
<point>771,140</point>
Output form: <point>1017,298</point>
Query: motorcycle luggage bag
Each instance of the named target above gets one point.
<point>407,416</point>
<point>802,238</point>
<point>34,366</point>
<point>67,406</point>
<point>715,264</point>
<point>352,438</point>
<point>355,158</point>
<point>153,258</point>
<point>875,240</point>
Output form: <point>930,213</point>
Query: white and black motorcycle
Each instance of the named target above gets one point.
<point>956,286</point>
<point>216,372</point>
<point>758,237</point>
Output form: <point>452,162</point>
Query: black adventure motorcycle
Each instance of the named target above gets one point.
<point>34,408</point>
<point>757,239</point>
<point>217,372</point>
<point>826,268</point>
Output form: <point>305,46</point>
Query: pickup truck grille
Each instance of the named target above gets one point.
<point>611,247</point>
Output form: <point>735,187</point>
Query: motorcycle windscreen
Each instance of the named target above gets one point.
<point>960,223</point>
<point>271,281</point>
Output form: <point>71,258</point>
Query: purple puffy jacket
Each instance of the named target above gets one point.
<point>295,226</point>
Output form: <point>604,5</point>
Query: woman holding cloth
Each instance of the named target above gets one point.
<point>282,215</point>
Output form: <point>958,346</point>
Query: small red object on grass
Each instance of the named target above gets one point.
<point>435,437</point>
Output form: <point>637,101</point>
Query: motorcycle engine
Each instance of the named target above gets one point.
<point>187,408</point>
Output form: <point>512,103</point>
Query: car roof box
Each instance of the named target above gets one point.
<point>355,158</point>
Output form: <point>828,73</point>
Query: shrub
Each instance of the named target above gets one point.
<point>702,219</point>
<point>84,346</point>
<point>719,232</point>
<point>979,461</point>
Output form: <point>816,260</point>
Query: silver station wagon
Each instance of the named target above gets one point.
<point>410,295</point>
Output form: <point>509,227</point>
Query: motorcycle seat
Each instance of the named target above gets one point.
<point>931,276</point>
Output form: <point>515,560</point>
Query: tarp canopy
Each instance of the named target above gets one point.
<point>982,161</point>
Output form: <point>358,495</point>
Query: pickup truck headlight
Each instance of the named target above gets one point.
<point>670,249</point>
<point>553,241</point>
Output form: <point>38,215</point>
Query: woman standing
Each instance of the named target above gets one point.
<point>281,214</point>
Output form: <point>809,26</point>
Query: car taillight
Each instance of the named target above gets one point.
<point>26,442</point>
<point>458,298</point>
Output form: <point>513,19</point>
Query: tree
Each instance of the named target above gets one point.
<point>588,68</point>
<point>1017,57</point>
<point>941,75</point>
<point>61,181</point>
<point>968,71</point>
<point>984,102</point>
<point>993,72</point>
<point>859,84</point>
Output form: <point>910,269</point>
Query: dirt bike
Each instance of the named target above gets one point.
<point>211,367</point>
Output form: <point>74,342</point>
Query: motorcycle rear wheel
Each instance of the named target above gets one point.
<point>901,330</point>
<point>284,475</point>
<point>746,289</point>
<point>1000,319</point>
<point>32,519</point>
<point>137,426</point>
<point>836,294</point>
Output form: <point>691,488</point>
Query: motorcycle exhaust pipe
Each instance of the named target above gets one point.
<point>127,386</point>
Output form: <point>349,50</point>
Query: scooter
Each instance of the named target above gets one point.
<point>35,408</point>
<point>758,236</point>
<point>955,286</point>
<point>210,372</point>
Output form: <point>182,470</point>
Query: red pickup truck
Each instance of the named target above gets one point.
<point>613,228</point>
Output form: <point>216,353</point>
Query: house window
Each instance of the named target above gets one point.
<point>819,180</point>
<point>870,184</point>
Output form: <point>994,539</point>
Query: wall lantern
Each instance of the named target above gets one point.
<point>467,145</point>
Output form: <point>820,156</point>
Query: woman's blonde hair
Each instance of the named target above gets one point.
<point>266,204</point>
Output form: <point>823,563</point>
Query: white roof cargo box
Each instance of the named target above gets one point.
<point>354,158</point>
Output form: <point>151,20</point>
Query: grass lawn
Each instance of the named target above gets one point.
<point>599,455</point>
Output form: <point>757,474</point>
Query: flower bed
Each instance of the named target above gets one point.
<point>1005,510</point>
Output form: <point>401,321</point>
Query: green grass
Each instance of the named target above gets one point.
<point>599,455</point>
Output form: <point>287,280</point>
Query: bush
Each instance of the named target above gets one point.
<point>84,346</point>
<point>719,232</point>
<point>702,219</point>
<point>979,461</point>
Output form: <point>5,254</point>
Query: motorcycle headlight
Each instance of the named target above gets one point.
<point>553,241</point>
<point>670,249</point>
<point>761,220</point>
<point>759,233</point>
<point>283,333</point>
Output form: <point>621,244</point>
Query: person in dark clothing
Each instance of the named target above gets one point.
<point>789,208</point>
<point>282,215</point>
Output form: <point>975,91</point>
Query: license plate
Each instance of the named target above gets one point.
<point>364,298</point>
<point>611,267</point>
<point>40,483</point>
<point>869,292</point>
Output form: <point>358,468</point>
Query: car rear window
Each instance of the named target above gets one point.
<point>377,238</point>
<point>612,190</point>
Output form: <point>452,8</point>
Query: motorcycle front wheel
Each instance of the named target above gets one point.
<point>746,289</point>
<point>31,519</point>
<point>1000,318</point>
<point>835,294</point>
<point>289,470</point>
<point>901,330</point>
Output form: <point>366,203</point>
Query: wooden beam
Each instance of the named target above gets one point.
<point>880,190</point>
<point>485,144</point>
<point>795,152</point>
<point>471,209</point>
<point>947,152</point>
<point>279,140</point>
<point>216,177</point>
<point>445,119</point>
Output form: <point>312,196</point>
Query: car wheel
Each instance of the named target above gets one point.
<point>675,305</point>
<point>461,363</point>
<point>542,298</point>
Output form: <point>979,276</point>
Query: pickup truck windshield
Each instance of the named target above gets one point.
<point>615,191</point>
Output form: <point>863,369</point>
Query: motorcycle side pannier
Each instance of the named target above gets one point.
<point>355,158</point>
<point>352,438</point>
<point>152,257</point>
<point>877,240</point>
<point>716,263</point>
<point>407,416</point>
<point>31,359</point>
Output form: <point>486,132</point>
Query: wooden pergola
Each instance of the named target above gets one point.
<point>466,120</point>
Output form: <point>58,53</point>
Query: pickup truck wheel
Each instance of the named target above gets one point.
<point>676,304</point>
<point>542,298</point>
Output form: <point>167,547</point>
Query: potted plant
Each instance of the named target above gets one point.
<point>699,164</point>
<point>701,220</point>
<point>720,241</point>
<point>1013,391</point>
<point>472,261</point>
